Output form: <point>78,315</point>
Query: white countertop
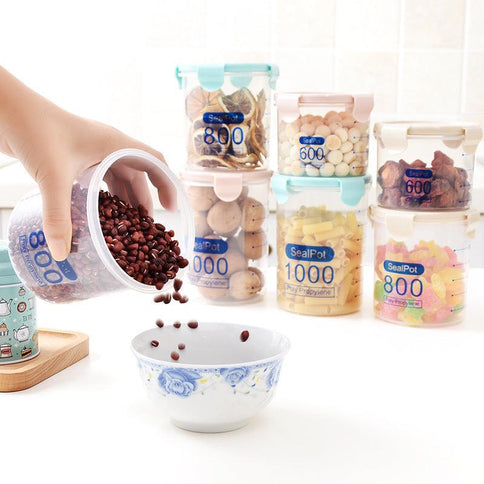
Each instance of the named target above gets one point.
<point>359,401</point>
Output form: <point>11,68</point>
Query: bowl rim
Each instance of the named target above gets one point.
<point>286,345</point>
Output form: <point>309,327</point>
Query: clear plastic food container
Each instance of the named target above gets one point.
<point>227,110</point>
<point>230,248</point>
<point>323,134</point>
<point>426,165</point>
<point>320,245</point>
<point>421,262</point>
<point>90,269</point>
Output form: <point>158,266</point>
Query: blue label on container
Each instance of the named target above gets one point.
<point>406,268</point>
<point>210,246</point>
<point>67,269</point>
<point>414,173</point>
<point>24,249</point>
<point>311,253</point>
<point>40,263</point>
<point>311,140</point>
<point>223,118</point>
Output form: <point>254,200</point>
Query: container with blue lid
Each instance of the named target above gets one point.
<point>227,109</point>
<point>320,228</point>
<point>18,325</point>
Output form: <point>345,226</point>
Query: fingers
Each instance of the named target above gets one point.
<point>56,192</point>
<point>116,185</point>
<point>139,192</point>
<point>167,193</point>
<point>149,149</point>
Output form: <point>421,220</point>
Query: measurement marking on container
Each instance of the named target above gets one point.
<point>307,291</point>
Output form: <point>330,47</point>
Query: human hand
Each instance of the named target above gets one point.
<point>56,147</point>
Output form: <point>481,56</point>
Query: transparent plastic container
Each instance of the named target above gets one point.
<point>230,249</point>
<point>90,269</point>
<point>227,110</point>
<point>426,165</point>
<point>323,134</point>
<point>320,246</point>
<point>421,264</point>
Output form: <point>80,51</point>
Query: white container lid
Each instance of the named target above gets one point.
<point>394,134</point>
<point>401,224</point>
<point>227,186</point>
<point>288,103</point>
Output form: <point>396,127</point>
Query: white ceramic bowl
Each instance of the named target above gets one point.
<point>219,382</point>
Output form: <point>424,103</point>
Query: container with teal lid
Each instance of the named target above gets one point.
<point>323,134</point>
<point>227,110</point>
<point>320,228</point>
<point>18,324</point>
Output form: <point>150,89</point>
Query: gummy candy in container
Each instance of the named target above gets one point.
<point>323,134</point>
<point>320,230</point>
<point>227,110</point>
<point>230,248</point>
<point>114,245</point>
<point>421,262</point>
<point>426,165</point>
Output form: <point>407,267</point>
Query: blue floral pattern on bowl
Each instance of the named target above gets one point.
<point>184,382</point>
<point>178,381</point>
<point>233,376</point>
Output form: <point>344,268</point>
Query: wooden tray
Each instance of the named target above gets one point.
<point>58,350</point>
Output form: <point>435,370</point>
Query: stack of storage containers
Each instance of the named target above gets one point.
<point>227,177</point>
<point>423,224</point>
<point>322,196</point>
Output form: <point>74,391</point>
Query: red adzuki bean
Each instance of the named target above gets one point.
<point>244,336</point>
<point>133,238</point>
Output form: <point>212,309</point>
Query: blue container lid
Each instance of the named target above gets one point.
<point>352,187</point>
<point>211,76</point>
<point>7,272</point>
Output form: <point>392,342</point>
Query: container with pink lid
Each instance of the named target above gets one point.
<point>230,248</point>
<point>426,165</point>
<point>323,134</point>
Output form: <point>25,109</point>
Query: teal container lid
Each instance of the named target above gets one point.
<point>211,76</point>
<point>7,272</point>
<point>352,187</point>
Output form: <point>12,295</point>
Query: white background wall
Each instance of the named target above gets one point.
<point>114,60</point>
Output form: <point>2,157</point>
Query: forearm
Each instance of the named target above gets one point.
<point>22,112</point>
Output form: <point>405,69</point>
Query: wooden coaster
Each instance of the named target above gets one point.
<point>58,350</point>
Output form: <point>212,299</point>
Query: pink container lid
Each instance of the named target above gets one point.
<point>288,103</point>
<point>227,186</point>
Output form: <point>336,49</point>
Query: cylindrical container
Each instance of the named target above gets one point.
<point>323,134</point>
<point>421,262</point>
<point>90,268</point>
<point>228,114</point>
<point>426,165</point>
<point>230,248</point>
<point>18,323</point>
<point>320,243</point>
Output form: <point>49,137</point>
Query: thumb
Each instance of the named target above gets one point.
<point>56,191</point>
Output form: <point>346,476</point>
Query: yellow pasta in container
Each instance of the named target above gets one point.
<point>319,248</point>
